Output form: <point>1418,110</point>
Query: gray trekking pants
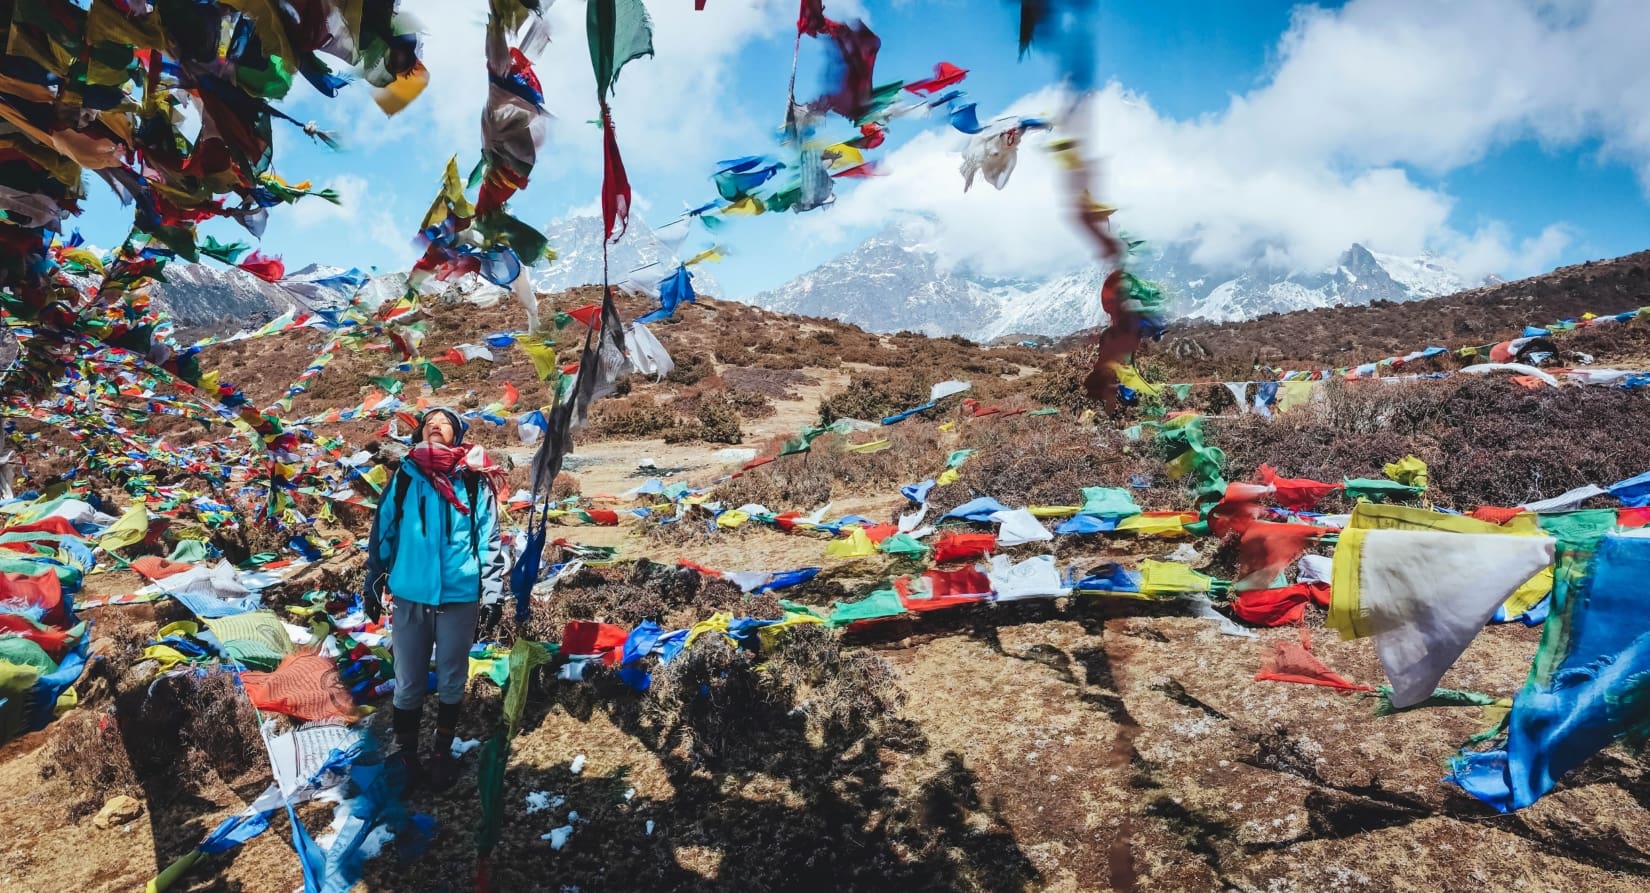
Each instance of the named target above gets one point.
<point>418,630</point>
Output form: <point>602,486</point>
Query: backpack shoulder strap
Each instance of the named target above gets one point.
<point>402,483</point>
<point>472,486</point>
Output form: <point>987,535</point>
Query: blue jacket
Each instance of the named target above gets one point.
<point>425,550</point>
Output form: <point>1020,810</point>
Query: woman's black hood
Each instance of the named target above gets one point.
<point>459,426</point>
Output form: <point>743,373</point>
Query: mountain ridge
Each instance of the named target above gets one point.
<point>891,282</point>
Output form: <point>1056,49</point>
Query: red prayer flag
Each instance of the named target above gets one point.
<point>43,591</point>
<point>945,75</point>
<point>1266,548</point>
<point>589,314</point>
<point>615,184</point>
<point>858,172</point>
<point>586,637</point>
<point>1495,514</point>
<point>1299,494</point>
<point>1634,517</point>
<point>1281,606</point>
<point>956,546</point>
<point>269,269</point>
<point>1295,662</point>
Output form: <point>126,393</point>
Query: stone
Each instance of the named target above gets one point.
<point>118,811</point>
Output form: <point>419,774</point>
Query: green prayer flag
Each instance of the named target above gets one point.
<point>432,375</point>
<point>957,458</point>
<point>524,657</point>
<point>490,792</point>
<point>1578,535</point>
<point>229,253</point>
<point>802,442</point>
<point>1372,488</point>
<point>618,31</point>
<point>387,383</point>
<point>879,604</point>
<point>902,544</point>
<point>1108,502</point>
<point>1441,697</point>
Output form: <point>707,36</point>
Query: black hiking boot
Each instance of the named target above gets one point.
<point>444,770</point>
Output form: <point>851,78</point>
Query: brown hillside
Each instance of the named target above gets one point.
<point>1347,336</point>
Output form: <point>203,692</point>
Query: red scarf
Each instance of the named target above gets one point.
<point>440,462</point>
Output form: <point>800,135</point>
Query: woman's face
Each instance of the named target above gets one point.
<point>438,429</point>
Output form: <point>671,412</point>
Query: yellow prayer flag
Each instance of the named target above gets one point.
<point>846,156</point>
<point>1168,578</point>
<point>128,531</point>
<point>750,205</point>
<point>1408,470</point>
<point>770,634</point>
<point>543,357</point>
<point>713,253</point>
<point>403,90</point>
<point>1130,378</point>
<point>1157,523</point>
<point>717,623</point>
<point>856,545</point>
<point>1295,394</point>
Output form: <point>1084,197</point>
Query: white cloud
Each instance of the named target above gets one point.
<point>311,211</point>
<point>1315,158</point>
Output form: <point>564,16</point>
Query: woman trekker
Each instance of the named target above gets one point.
<point>435,550</point>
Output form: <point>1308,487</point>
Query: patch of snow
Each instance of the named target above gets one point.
<point>577,765</point>
<point>558,836</point>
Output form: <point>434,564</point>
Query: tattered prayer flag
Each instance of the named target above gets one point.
<point>433,376</point>
<point>391,385</point>
<point>618,31</point>
<point>615,182</point>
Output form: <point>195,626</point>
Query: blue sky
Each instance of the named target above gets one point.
<point>1256,129</point>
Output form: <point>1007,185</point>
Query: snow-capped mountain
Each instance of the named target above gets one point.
<point>889,284</point>
<point>578,244</point>
<point>198,296</point>
<point>1360,276</point>
<point>893,282</point>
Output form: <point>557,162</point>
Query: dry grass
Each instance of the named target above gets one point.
<point>1486,441</point>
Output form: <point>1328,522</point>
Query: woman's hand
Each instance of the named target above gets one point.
<point>373,603</point>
